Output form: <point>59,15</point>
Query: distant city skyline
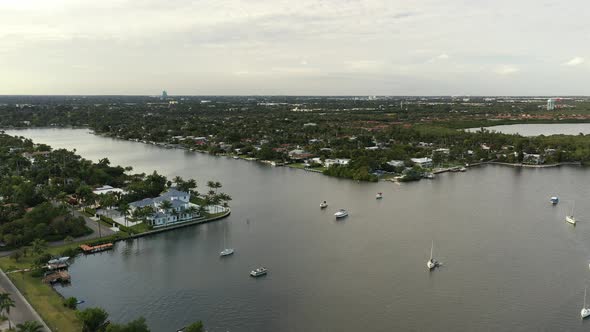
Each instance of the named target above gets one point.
<point>308,47</point>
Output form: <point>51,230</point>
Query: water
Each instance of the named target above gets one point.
<point>511,262</point>
<point>541,129</point>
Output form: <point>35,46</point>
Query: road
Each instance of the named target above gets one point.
<point>22,311</point>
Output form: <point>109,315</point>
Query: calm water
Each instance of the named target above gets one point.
<point>541,129</point>
<point>511,263</point>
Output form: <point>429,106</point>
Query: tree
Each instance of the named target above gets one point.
<point>137,325</point>
<point>195,327</point>
<point>39,246</point>
<point>70,302</point>
<point>93,319</point>
<point>6,302</point>
<point>124,208</point>
<point>29,326</point>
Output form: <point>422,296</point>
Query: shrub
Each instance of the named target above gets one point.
<point>70,302</point>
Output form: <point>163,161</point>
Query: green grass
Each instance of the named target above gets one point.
<point>47,303</point>
<point>141,228</point>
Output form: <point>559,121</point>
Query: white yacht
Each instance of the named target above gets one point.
<point>570,218</point>
<point>258,272</point>
<point>432,263</point>
<point>323,205</point>
<point>554,200</point>
<point>226,252</point>
<point>341,213</point>
<point>379,196</point>
<point>585,312</point>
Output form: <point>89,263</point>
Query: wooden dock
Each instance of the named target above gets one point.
<point>57,276</point>
<point>92,249</point>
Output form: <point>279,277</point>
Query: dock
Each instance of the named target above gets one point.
<point>92,249</point>
<point>58,276</point>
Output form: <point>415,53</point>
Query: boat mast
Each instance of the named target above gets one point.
<point>431,248</point>
<point>585,297</point>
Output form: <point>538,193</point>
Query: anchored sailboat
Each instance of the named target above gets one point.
<point>570,218</point>
<point>432,263</point>
<point>585,311</point>
<point>226,251</point>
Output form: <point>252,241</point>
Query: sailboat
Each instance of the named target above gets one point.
<point>432,263</point>
<point>585,312</point>
<point>226,251</point>
<point>570,218</point>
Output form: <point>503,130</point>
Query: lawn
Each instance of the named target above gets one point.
<point>47,303</point>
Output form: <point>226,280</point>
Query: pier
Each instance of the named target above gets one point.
<point>92,249</point>
<point>58,276</point>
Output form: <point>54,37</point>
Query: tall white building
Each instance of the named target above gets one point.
<point>550,104</point>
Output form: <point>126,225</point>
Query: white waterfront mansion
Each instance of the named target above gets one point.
<point>181,210</point>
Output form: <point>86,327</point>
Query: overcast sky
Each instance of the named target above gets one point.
<point>295,47</point>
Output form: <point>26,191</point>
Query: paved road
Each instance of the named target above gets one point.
<point>22,311</point>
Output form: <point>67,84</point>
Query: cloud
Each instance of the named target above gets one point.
<point>236,46</point>
<point>574,61</point>
<point>506,70</point>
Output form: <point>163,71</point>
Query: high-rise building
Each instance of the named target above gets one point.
<point>164,94</point>
<point>550,104</point>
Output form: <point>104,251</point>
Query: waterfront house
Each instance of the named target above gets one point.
<point>422,162</point>
<point>180,210</point>
<point>396,163</point>
<point>532,158</point>
<point>108,189</point>
<point>332,162</point>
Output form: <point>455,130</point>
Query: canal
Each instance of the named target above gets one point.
<point>510,262</point>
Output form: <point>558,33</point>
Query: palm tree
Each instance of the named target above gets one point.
<point>39,246</point>
<point>6,302</point>
<point>165,206</point>
<point>125,210</point>
<point>29,326</point>
<point>191,211</point>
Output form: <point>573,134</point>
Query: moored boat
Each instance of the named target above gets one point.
<point>585,312</point>
<point>258,272</point>
<point>432,263</point>
<point>554,200</point>
<point>379,196</point>
<point>323,205</point>
<point>226,252</point>
<point>341,213</point>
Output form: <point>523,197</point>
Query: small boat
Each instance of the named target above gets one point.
<point>258,272</point>
<point>323,205</point>
<point>570,218</point>
<point>60,260</point>
<point>428,176</point>
<point>379,196</point>
<point>80,301</point>
<point>462,169</point>
<point>432,263</point>
<point>554,200</point>
<point>236,157</point>
<point>341,213</point>
<point>585,312</point>
<point>226,252</point>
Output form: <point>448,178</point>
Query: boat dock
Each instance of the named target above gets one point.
<point>92,249</point>
<point>58,276</point>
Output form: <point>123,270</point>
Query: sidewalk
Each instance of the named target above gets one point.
<point>22,311</point>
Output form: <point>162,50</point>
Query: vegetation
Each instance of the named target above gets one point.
<point>29,326</point>
<point>370,132</point>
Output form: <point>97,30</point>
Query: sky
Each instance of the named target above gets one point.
<point>295,47</point>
